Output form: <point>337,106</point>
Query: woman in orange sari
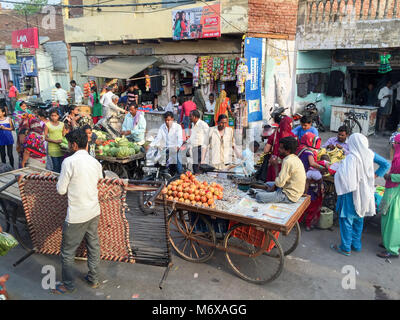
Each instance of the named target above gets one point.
<point>223,105</point>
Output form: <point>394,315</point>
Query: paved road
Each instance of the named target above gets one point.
<point>313,271</point>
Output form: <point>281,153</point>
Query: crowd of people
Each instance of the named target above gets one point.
<point>294,168</point>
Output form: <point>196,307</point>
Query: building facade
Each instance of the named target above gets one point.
<point>150,31</point>
<point>346,41</point>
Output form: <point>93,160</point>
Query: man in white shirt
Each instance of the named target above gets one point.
<point>172,106</point>
<point>77,92</point>
<point>106,98</point>
<point>79,176</point>
<point>397,87</point>
<point>170,137</point>
<point>210,104</point>
<point>385,104</point>
<point>198,140</point>
<point>61,97</point>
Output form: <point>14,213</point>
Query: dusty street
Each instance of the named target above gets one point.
<point>312,271</point>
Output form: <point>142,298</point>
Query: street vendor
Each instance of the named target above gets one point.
<point>289,185</point>
<point>170,138</point>
<point>221,144</point>
<point>134,125</point>
<point>340,141</point>
<point>198,139</point>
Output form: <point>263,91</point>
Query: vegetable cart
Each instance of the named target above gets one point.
<point>254,245</point>
<point>126,168</point>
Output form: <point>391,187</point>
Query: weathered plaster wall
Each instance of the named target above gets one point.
<point>279,73</point>
<point>317,61</point>
<point>363,34</point>
<point>148,24</point>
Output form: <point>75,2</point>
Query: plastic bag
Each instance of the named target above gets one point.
<point>7,242</point>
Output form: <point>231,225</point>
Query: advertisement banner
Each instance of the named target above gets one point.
<point>253,49</point>
<point>28,67</point>
<point>26,38</point>
<point>11,57</point>
<point>197,23</point>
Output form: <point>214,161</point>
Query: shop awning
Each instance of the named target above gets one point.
<point>121,68</point>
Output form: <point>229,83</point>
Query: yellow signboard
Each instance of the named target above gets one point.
<point>11,57</point>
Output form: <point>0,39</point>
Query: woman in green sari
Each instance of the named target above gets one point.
<point>390,208</point>
<point>177,26</point>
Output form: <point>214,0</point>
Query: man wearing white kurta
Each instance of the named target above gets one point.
<point>170,138</point>
<point>198,139</point>
<point>385,103</point>
<point>79,176</point>
<point>221,144</point>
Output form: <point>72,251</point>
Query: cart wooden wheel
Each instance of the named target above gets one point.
<point>192,236</point>
<point>247,260</point>
<point>290,242</point>
<point>117,168</point>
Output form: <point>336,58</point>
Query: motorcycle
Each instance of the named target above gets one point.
<point>312,111</point>
<point>38,105</point>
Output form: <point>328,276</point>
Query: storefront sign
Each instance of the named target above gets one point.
<point>196,23</point>
<point>253,49</point>
<point>26,38</point>
<point>28,67</point>
<point>11,57</point>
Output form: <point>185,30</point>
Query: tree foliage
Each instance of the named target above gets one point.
<point>30,7</point>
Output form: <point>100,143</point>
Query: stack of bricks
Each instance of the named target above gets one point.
<point>275,17</point>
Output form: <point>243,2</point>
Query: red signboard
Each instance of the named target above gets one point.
<point>26,38</point>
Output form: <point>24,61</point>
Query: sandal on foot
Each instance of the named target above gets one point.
<point>338,250</point>
<point>93,285</point>
<point>61,289</point>
<point>386,255</point>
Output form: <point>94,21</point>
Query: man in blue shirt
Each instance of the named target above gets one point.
<point>134,126</point>
<point>305,126</point>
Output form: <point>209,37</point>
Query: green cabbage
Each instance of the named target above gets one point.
<point>132,151</point>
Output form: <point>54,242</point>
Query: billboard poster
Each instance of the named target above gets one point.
<point>28,67</point>
<point>26,38</point>
<point>253,51</point>
<point>197,23</point>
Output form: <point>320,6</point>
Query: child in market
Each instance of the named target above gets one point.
<point>54,131</point>
<point>6,138</point>
<point>245,163</point>
<point>314,188</point>
<point>92,140</point>
<point>305,126</point>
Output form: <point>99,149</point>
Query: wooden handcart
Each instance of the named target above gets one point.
<point>40,209</point>
<point>254,248</point>
<point>126,168</point>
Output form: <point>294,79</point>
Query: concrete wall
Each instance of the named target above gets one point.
<point>317,61</point>
<point>49,75</point>
<point>149,24</point>
<point>355,35</point>
<point>201,47</point>
<point>279,74</point>
<point>338,24</point>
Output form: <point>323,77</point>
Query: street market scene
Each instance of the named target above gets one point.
<point>199,150</point>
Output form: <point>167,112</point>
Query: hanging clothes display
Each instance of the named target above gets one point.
<point>384,63</point>
<point>335,84</point>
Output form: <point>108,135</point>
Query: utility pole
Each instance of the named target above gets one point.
<point>66,17</point>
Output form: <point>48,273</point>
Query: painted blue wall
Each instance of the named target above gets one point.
<point>317,61</point>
